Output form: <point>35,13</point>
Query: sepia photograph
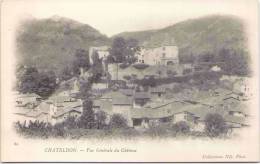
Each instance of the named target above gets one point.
<point>110,79</point>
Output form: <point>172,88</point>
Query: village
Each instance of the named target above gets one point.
<point>145,106</point>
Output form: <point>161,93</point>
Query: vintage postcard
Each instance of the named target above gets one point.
<point>130,81</point>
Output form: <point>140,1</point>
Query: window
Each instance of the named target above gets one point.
<point>142,61</point>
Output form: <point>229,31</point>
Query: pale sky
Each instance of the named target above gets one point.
<point>114,16</point>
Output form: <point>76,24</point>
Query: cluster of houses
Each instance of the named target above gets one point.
<point>142,108</point>
<point>56,109</point>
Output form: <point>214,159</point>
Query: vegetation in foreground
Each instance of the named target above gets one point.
<point>117,129</point>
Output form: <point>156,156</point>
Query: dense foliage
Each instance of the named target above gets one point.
<point>33,81</point>
<point>215,125</point>
<point>123,51</point>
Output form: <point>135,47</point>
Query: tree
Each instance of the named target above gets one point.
<point>87,119</point>
<point>118,49</point>
<point>97,68</point>
<point>234,62</point>
<point>215,125</point>
<point>100,117</point>
<point>28,80</point>
<point>43,83</point>
<point>151,82</point>
<point>81,61</point>
<point>123,50</point>
<point>118,121</point>
<point>85,88</point>
<point>70,123</point>
<point>66,73</point>
<point>131,43</point>
<point>181,127</point>
<point>46,84</point>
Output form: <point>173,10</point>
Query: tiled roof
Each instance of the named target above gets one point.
<point>28,95</point>
<point>122,101</point>
<point>157,90</point>
<point>34,113</point>
<point>236,119</point>
<point>128,92</point>
<point>112,95</point>
<point>162,111</point>
<point>240,108</point>
<point>104,105</point>
<point>61,99</point>
<point>44,107</point>
<point>222,91</point>
<point>142,95</point>
<point>21,110</point>
<point>78,109</point>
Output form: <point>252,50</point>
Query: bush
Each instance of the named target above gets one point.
<point>181,127</point>
<point>140,66</point>
<point>151,82</point>
<point>70,123</point>
<point>124,65</point>
<point>100,118</point>
<point>118,121</point>
<point>127,77</point>
<point>171,73</point>
<point>215,125</point>
<point>160,130</point>
<point>187,71</point>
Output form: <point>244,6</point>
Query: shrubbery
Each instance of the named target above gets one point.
<point>181,127</point>
<point>124,65</point>
<point>215,125</point>
<point>118,121</point>
<point>140,66</point>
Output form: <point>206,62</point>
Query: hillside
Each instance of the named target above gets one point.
<point>51,43</point>
<point>196,36</point>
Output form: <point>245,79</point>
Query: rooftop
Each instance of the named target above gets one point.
<point>28,95</point>
<point>122,101</point>
<point>142,95</point>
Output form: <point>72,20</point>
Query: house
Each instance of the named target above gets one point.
<point>102,52</point>
<point>114,103</point>
<point>140,99</point>
<point>155,114</point>
<point>157,93</point>
<point>220,92</point>
<point>242,86</point>
<point>127,92</point>
<point>123,106</point>
<point>159,55</point>
<point>102,105</point>
<point>40,113</point>
<point>235,121</point>
<point>100,85</point>
<point>31,116</point>
<point>240,110</point>
<point>69,111</point>
<point>28,100</point>
<point>111,95</point>
<point>51,111</point>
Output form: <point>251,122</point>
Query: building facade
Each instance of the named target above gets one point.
<point>162,55</point>
<point>102,51</point>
